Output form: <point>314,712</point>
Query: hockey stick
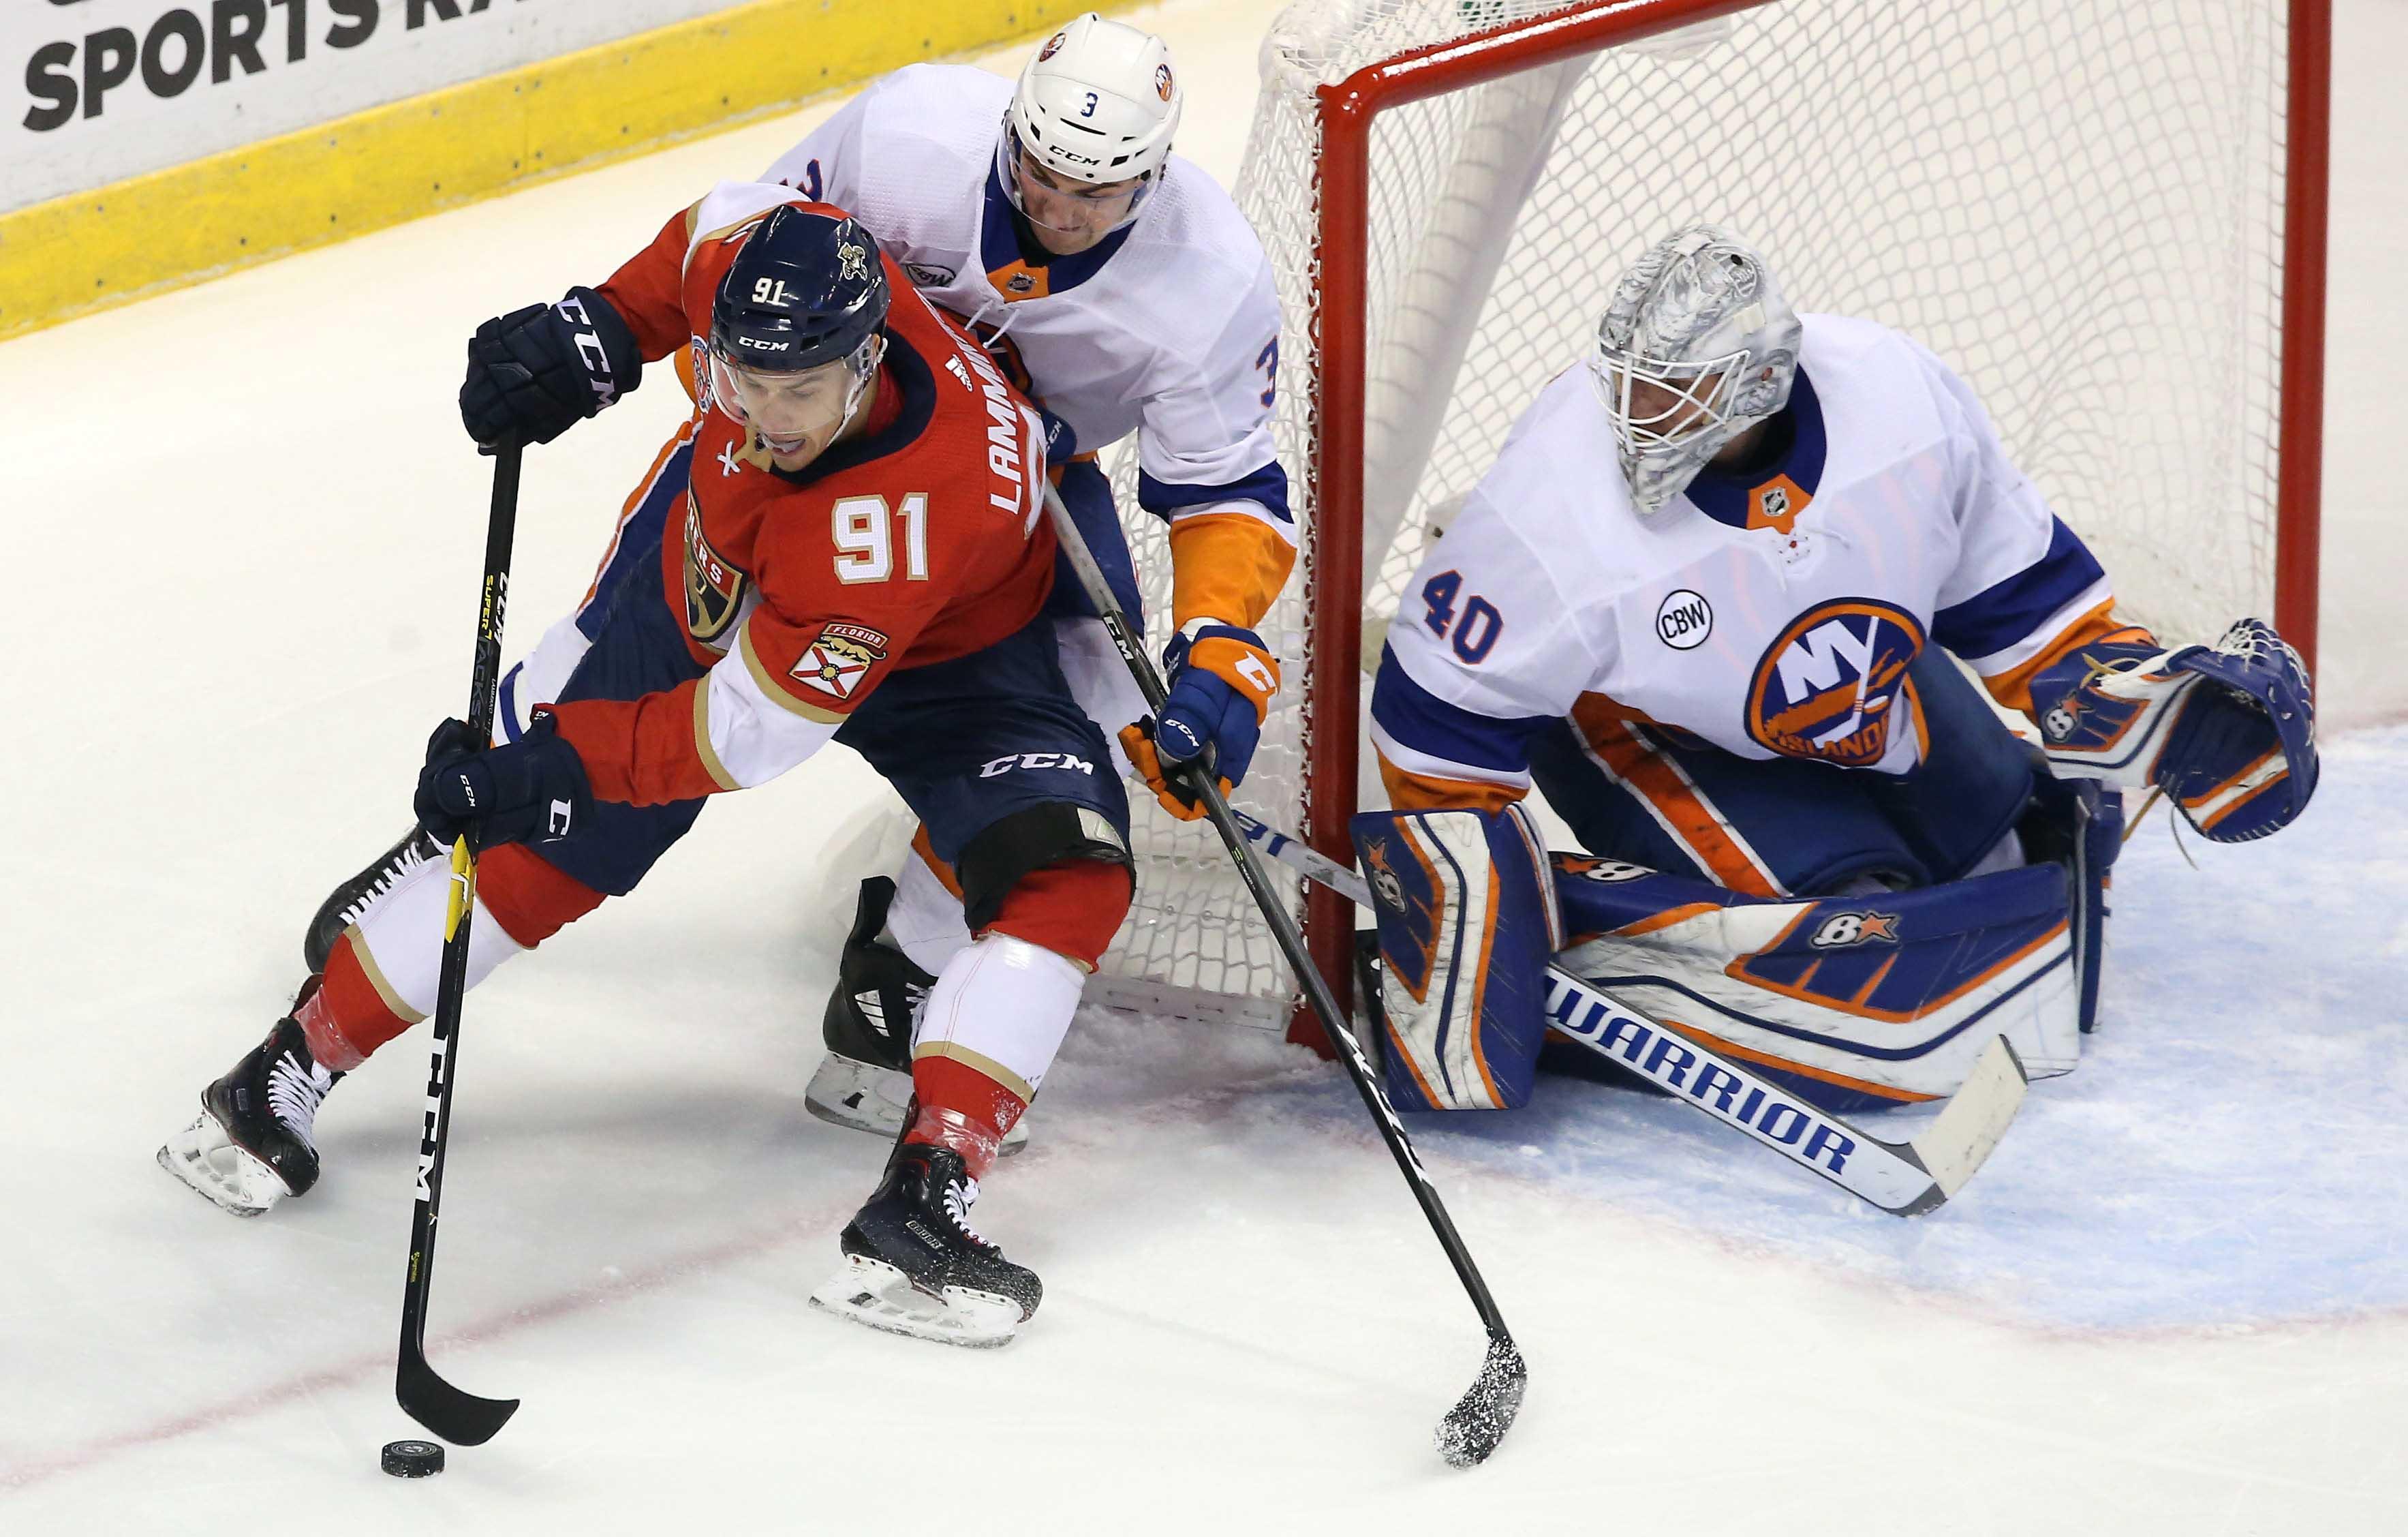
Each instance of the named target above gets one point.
<point>459,1417</point>
<point>1479,1420</point>
<point>1904,1178</point>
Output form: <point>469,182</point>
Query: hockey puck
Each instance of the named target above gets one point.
<point>412,1459</point>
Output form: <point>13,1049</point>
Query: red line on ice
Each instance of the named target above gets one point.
<point>49,1465</point>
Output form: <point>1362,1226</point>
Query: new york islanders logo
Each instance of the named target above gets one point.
<point>1828,686</point>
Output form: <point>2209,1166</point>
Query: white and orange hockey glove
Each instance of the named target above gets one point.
<point>1221,681</point>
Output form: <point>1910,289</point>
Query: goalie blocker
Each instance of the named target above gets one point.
<point>1848,1002</point>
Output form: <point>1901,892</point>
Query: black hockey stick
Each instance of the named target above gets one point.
<point>459,1417</point>
<point>1906,1178</point>
<point>1479,1420</point>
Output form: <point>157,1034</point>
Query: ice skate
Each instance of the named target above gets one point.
<point>252,1144</point>
<point>865,1079</point>
<point>913,1266</point>
<point>344,905</point>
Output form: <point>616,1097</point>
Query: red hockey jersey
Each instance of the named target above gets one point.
<point>918,540</point>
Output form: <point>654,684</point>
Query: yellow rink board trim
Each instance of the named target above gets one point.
<point>168,229</point>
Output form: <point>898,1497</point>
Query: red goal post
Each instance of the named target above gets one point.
<point>2108,214</point>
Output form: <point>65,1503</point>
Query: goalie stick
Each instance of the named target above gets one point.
<point>1905,1178</point>
<point>460,1418</point>
<point>1479,1420</point>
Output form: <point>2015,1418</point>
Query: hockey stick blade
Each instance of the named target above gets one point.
<point>1907,1178</point>
<point>1481,1417</point>
<point>448,1413</point>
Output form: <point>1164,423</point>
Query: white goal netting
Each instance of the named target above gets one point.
<point>2078,203</point>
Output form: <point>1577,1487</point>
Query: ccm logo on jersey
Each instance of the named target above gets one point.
<point>1684,620</point>
<point>1842,929</point>
<point>1825,686</point>
<point>1006,764</point>
<point>840,657</point>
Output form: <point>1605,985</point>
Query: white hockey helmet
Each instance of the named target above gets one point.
<point>1097,104</point>
<point>1697,346</point>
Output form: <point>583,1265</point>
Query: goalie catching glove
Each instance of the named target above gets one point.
<point>2228,731</point>
<point>1221,683</point>
<point>530,791</point>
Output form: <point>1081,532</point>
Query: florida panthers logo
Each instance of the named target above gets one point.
<point>1827,686</point>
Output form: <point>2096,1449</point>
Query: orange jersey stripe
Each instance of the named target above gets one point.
<point>1411,791</point>
<point>1227,566</point>
<point>2013,688</point>
<point>1683,811</point>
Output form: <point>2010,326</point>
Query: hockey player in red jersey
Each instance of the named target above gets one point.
<point>854,549</point>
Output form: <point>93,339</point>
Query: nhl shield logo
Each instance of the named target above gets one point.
<point>1827,687</point>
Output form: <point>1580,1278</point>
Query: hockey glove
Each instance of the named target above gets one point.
<point>2228,730</point>
<point>536,372</point>
<point>1220,682</point>
<point>529,791</point>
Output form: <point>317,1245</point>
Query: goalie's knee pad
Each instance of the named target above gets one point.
<point>1849,1003</point>
<point>1468,923</point>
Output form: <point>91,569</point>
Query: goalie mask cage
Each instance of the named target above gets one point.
<point>2107,215</point>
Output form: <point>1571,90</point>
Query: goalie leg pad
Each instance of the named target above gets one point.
<point>1467,922</point>
<point>1850,1002</point>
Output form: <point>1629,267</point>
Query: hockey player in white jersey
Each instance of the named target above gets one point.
<point>1120,287</point>
<point>1700,601</point>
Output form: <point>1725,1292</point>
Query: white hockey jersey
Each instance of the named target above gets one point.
<point>1170,327</point>
<point>1773,613</point>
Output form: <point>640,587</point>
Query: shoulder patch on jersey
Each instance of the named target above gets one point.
<point>927,276</point>
<point>714,585</point>
<point>1827,686</point>
<point>840,657</point>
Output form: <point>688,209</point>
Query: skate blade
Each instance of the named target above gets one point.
<point>873,1293</point>
<point>858,1096</point>
<point>203,1158</point>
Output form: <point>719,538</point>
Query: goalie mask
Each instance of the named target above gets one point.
<point>1697,346</point>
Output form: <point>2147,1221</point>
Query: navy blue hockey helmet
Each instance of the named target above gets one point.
<point>805,290</point>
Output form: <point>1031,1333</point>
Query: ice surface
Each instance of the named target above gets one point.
<point>242,552</point>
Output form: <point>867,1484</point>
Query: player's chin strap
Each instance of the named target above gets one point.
<point>1905,1178</point>
<point>1479,1420</point>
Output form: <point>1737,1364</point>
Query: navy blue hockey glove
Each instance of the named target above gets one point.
<point>2241,761</point>
<point>2228,730</point>
<point>535,373</point>
<point>1220,682</point>
<point>529,791</point>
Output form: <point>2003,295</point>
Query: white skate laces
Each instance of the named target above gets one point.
<point>960,1196</point>
<point>413,854</point>
<point>294,1093</point>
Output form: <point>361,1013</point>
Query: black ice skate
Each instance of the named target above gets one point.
<point>865,1079</point>
<point>913,1266</point>
<point>345,904</point>
<point>253,1146</point>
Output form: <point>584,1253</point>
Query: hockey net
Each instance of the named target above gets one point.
<point>2106,214</point>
